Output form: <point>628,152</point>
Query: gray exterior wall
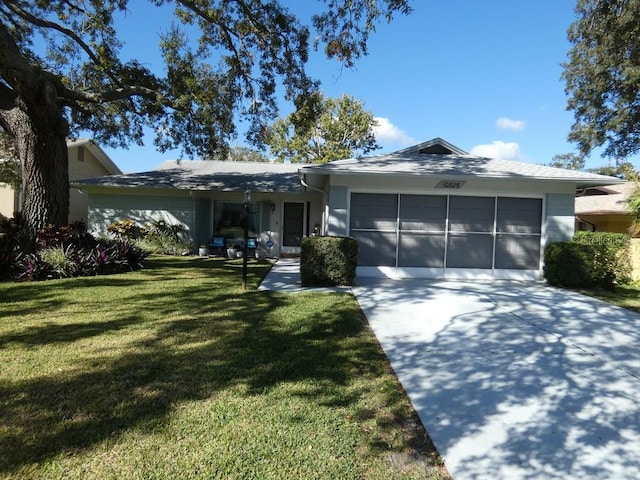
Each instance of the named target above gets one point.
<point>106,209</point>
<point>338,211</point>
<point>559,218</point>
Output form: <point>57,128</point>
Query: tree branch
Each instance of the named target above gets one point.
<point>53,26</point>
<point>121,93</point>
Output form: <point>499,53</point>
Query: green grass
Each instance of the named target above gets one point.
<point>174,372</point>
<point>626,296</point>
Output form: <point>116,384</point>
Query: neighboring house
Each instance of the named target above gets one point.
<point>431,210</point>
<point>86,160</point>
<point>604,209</point>
<point>9,200</point>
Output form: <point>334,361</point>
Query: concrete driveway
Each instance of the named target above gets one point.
<point>514,380</point>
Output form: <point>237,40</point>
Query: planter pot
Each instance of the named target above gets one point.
<point>231,252</point>
<point>203,251</point>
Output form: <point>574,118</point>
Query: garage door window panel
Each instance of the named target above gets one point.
<point>374,212</point>
<point>470,250</point>
<point>519,215</point>
<point>424,250</point>
<point>471,214</point>
<point>423,213</point>
<point>518,252</point>
<point>376,248</point>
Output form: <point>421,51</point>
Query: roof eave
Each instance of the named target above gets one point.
<point>580,182</point>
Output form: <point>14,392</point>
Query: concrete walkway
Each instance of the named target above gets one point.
<point>514,380</point>
<point>285,277</point>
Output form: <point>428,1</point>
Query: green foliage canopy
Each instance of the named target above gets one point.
<point>342,128</point>
<point>223,63</point>
<point>569,161</point>
<point>602,76</point>
<point>243,49</point>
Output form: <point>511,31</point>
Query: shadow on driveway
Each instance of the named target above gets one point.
<point>514,380</point>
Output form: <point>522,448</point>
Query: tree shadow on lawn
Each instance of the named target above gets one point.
<point>203,341</point>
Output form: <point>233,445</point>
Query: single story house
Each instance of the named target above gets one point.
<point>86,160</point>
<point>604,208</point>
<point>207,198</point>
<point>431,210</point>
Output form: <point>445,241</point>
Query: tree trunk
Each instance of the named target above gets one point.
<point>45,179</point>
<point>32,112</point>
<point>42,149</point>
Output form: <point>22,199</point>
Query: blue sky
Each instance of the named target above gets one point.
<point>483,75</point>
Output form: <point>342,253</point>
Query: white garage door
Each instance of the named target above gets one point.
<point>447,231</point>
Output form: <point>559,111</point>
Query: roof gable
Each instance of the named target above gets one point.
<point>97,152</point>
<point>436,146</point>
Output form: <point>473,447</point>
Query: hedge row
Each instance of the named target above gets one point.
<point>592,259</point>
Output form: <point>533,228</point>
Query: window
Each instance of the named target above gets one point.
<point>228,219</point>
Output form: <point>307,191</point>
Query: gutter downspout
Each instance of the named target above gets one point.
<point>324,201</point>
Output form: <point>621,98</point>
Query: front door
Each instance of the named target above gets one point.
<point>293,224</point>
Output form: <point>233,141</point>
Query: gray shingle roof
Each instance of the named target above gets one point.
<point>209,175</point>
<point>420,161</point>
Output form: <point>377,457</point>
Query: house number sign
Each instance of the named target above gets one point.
<point>451,184</point>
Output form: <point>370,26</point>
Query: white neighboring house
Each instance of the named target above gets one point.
<point>431,210</point>
<point>86,160</point>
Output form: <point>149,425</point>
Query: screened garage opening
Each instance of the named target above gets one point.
<point>447,231</point>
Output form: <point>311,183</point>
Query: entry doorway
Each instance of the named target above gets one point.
<point>293,224</point>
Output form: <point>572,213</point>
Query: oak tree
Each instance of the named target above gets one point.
<point>223,61</point>
<point>602,77</point>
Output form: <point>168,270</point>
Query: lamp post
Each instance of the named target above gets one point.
<point>246,204</point>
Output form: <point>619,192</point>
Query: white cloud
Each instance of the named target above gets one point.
<point>505,123</point>
<point>500,150</point>
<point>385,131</point>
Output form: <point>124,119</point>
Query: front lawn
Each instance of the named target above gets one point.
<point>174,372</point>
<point>626,296</point>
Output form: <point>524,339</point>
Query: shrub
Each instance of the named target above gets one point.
<point>32,267</point>
<point>63,251</point>
<point>328,261</point>
<point>569,264</point>
<point>166,238</point>
<point>107,257</point>
<point>61,260</point>
<point>54,236</point>
<point>612,257</point>
<point>126,229</point>
<point>11,237</point>
<point>159,236</point>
